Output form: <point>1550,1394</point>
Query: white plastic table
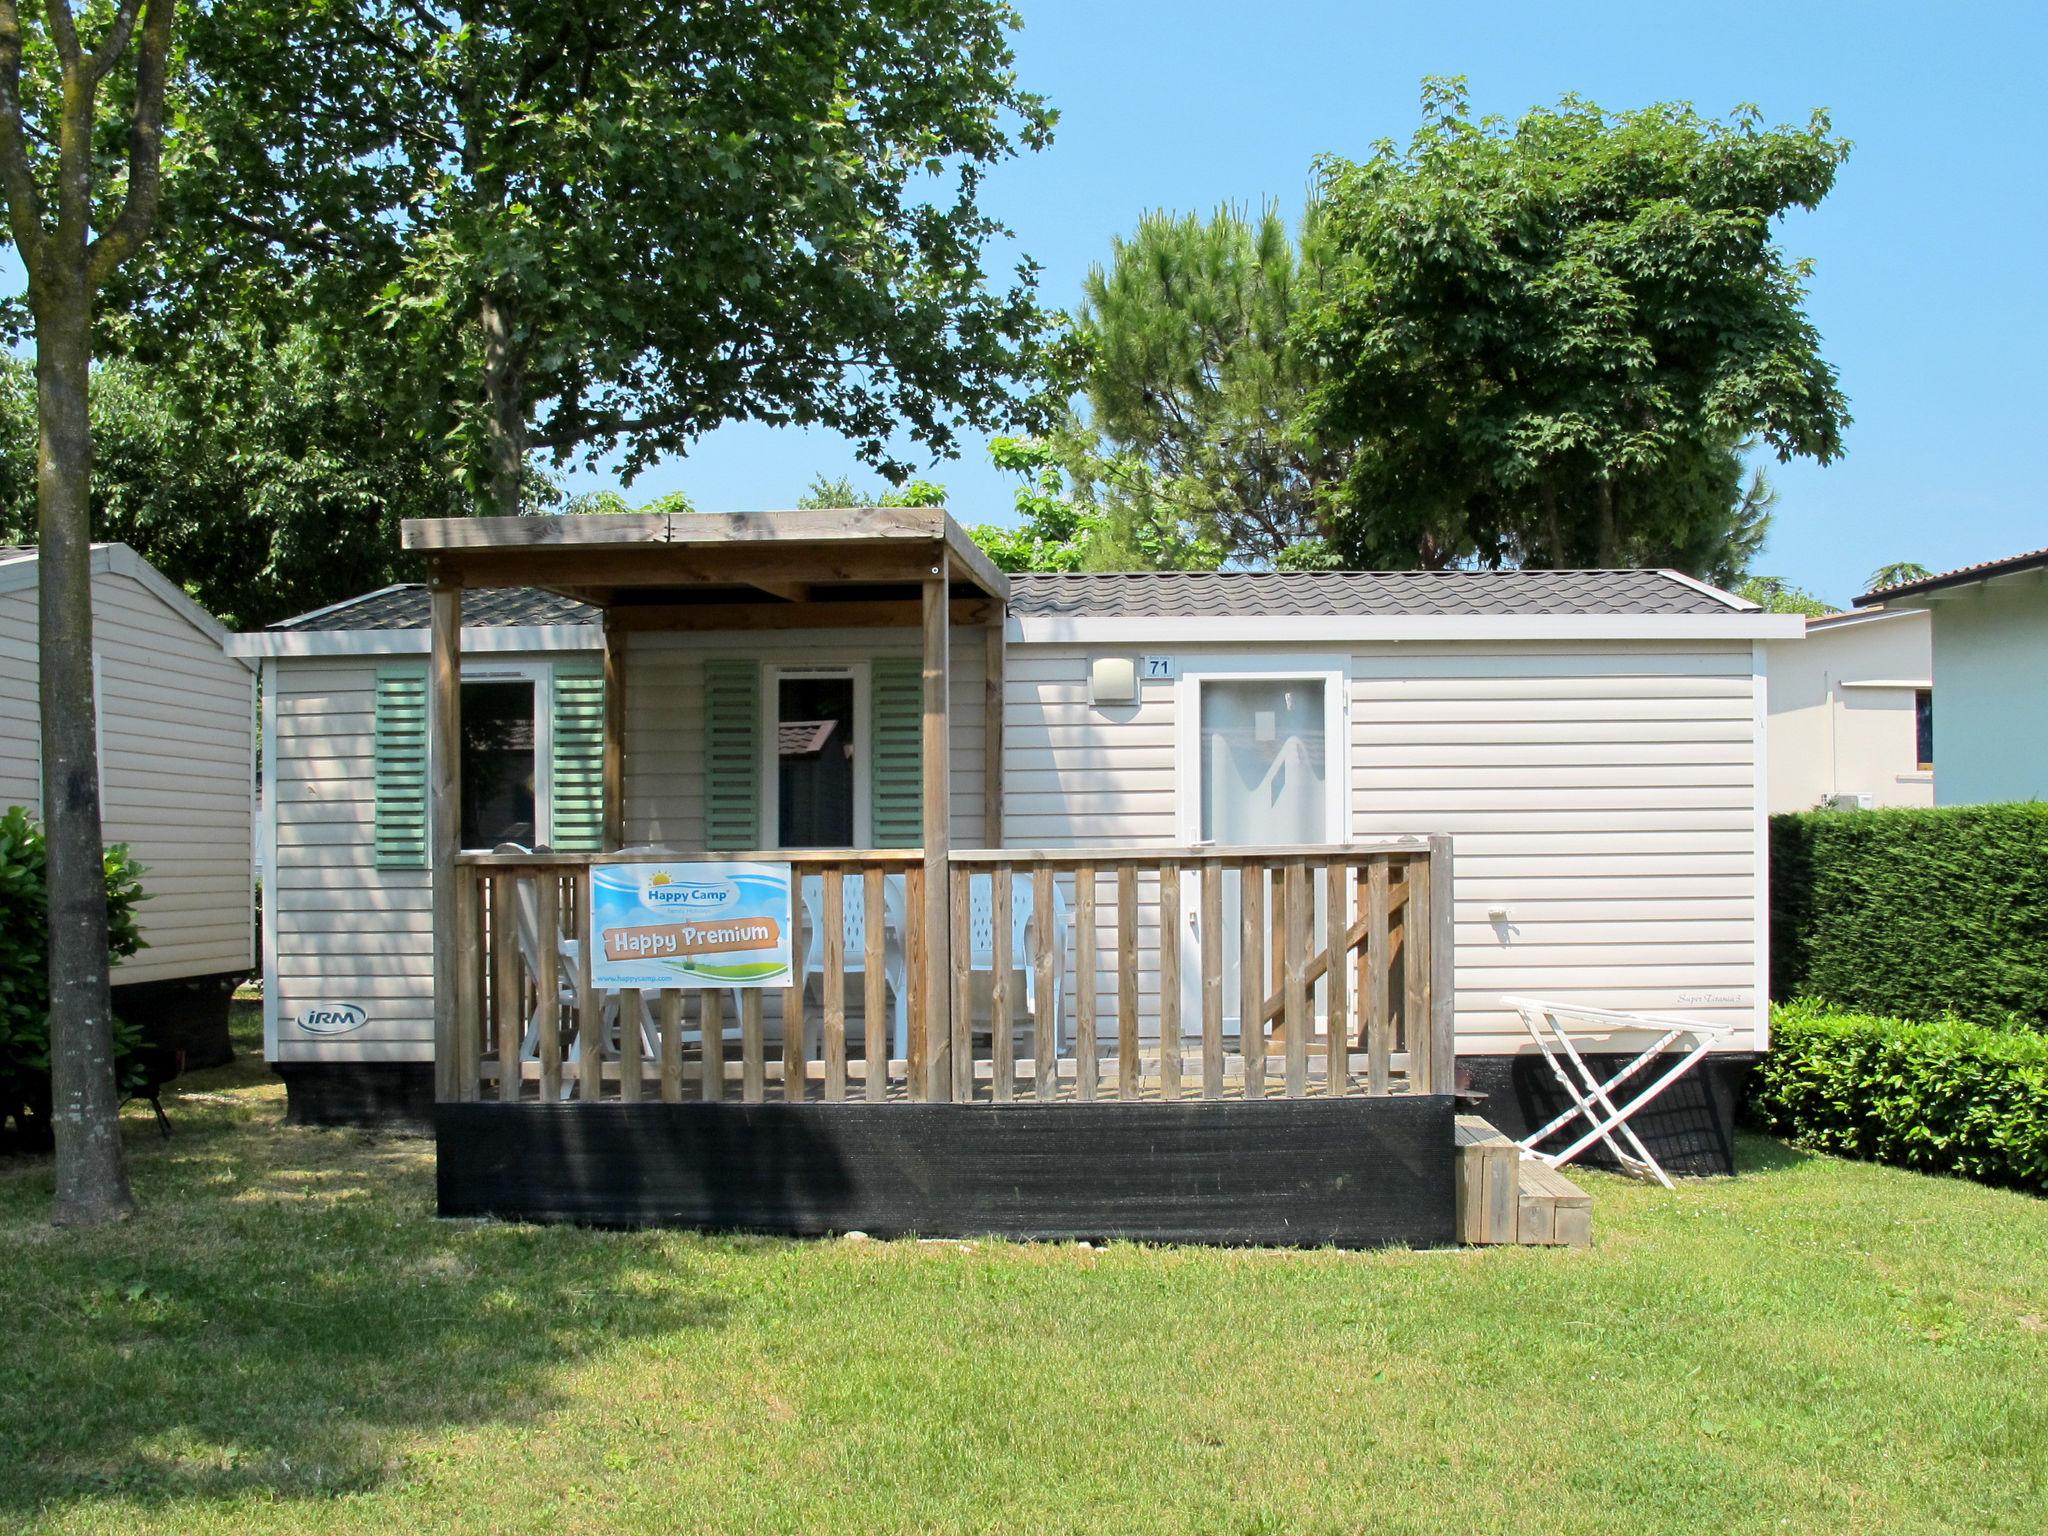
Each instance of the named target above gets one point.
<point>1559,1029</point>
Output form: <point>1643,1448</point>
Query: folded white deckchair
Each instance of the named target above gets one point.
<point>1561,1029</point>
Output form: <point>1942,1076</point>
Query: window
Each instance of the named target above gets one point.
<point>1923,727</point>
<point>1264,761</point>
<point>814,755</point>
<point>815,776</point>
<point>501,763</point>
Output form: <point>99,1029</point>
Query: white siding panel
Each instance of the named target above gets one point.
<point>1604,801</point>
<point>1605,796</point>
<point>176,748</point>
<point>347,932</point>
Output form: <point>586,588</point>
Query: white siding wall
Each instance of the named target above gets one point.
<point>176,753</point>
<point>665,718</point>
<point>1604,796</point>
<point>18,714</point>
<point>345,931</point>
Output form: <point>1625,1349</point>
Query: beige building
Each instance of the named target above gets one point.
<point>1990,662</point>
<point>176,727</point>
<point>1852,713</point>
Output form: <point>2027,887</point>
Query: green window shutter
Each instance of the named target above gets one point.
<point>732,755</point>
<point>401,807</point>
<point>896,696</point>
<point>576,768</point>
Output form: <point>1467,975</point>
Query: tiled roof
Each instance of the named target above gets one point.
<point>2011,564</point>
<point>1158,594</point>
<point>406,607</point>
<point>1265,594</point>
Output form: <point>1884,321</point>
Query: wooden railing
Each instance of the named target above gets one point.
<point>1077,975</point>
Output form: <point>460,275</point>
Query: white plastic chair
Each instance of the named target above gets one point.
<point>568,978</point>
<point>981,946</point>
<point>854,941</point>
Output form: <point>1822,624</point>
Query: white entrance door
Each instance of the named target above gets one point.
<point>1262,765</point>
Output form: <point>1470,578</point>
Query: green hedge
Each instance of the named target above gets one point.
<point>1917,914</point>
<point>25,970</point>
<point>1945,1097</point>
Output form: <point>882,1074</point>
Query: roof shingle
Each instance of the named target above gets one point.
<point>1267,594</point>
<point>1159,594</point>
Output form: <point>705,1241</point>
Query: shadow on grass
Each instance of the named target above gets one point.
<point>288,1318</point>
<point>1758,1153</point>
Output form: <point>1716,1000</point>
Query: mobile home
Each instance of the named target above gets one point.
<point>1056,843</point>
<point>176,726</point>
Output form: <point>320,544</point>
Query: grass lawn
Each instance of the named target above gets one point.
<point>287,1340</point>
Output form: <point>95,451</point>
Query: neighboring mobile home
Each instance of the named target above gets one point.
<point>1990,625</point>
<point>176,728</point>
<point>1852,713</point>
<point>1587,747</point>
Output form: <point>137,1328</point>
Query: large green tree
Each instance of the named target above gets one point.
<point>265,478</point>
<point>605,227</point>
<point>1194,382</point>
<point>81,148</point>
<point>1546,340</point>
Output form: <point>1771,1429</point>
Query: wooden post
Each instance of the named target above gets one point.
<point>1212,979</point>
<point>874,991</point>
<point>1127,1075</point>
<point>992,730</point>
<point>590,1020</point>
<point>793,1001</point>
<point>1379,1023</point>
<point>1251,977</point>
<point>961,1051</point>
<point>1045,977</point>
<point>507,989</point>
<point>1086,1066</point>
<point>469,986</point>
<point>547,985</point>
<point>753,1049</point>
<point>711,1026</point>
<point>444,829</point>
<point>835,984</point>
<point>1443,1016</point>
<point>1336,977</point>
<point>671,1045</point>
<point>629,1044</point>
<point>614,736</point>
<point>1002,1039</point>
<point>937,787</point>
<point>1299,933</point>
<point>1169,980</point>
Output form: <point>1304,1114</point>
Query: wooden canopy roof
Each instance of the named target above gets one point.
<point>666,570</point>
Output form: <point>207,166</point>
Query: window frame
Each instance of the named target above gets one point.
<point>772,674</point>
<point>1923,701</point>
<point>541,674</point>
<point>1332,672</point>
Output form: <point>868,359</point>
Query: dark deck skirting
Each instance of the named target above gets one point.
<point>1352,1173</point>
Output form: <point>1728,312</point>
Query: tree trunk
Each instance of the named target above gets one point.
<point>92,1173</point>
<point>504,406</point>
<point>1610,543</point>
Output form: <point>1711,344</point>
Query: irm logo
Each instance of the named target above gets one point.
<point>331,1018</point>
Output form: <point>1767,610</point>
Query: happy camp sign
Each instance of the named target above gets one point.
<point>700,924</point>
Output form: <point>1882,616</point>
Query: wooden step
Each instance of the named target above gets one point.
<point>1554,1211</point>
<point>1504,1197</point>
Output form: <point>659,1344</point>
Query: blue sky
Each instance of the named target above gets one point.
<point>1929,290</point>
